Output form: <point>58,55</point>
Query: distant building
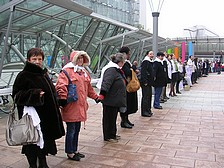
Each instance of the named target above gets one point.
<point>199,31</point>
<point>125,11</point>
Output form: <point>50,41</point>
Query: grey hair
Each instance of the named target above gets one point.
<point>118,57</point>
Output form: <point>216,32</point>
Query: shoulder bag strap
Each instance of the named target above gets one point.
<point>66,73</point>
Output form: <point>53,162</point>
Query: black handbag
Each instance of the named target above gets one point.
<point>72,92</point>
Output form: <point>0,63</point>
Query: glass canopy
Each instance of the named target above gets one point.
<point>58,27</point>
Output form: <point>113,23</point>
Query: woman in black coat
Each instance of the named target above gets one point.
<point>113,96</point>
<point>132,98</point>
<point>33,87</point>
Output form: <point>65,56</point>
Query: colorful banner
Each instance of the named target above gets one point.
<point>169,51</point>
<point>190,48</point>
<point>176,53</point>
<point>183,46</point>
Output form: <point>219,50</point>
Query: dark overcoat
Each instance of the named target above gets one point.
<point>147,73</point>
<point>132,99</point>
<point>114,88</point>
<point>26,92</point>
<point>160,74</point>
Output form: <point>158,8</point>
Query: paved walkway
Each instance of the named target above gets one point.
<point>187,133</point>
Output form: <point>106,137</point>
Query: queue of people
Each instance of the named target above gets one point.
<point>33,87</point>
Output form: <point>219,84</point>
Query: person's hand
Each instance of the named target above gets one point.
<point>62,102</point>
<point>99,98</point>
<point>42,93</point>
<point>137,71</point>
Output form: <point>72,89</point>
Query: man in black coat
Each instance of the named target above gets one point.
<point>159,79</point>
<point>146,81</point>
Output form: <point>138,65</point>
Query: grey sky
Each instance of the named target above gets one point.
<point>176,15</point>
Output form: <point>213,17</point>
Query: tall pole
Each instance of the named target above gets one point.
<point>155,16</point>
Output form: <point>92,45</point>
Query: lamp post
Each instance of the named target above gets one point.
<point>155,14</point>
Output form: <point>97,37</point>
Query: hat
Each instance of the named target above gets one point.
<point>160,54</point>
<point>75,54</point>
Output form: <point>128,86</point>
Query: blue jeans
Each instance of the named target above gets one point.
<point>72,136</point>
<point>158,91</point>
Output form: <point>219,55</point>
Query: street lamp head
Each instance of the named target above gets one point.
<point>156,5</point>
<point>155,14</point>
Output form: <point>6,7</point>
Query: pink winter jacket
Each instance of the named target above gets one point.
<point>75,111</point>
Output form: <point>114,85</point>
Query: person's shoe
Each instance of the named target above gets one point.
<point>131,124</point>
<point>166,98</point>
<point>80,155</point>
<point>174,95</point>
<point>160,107</point>
<point>162,101</point>
<point>111,140</point>
<point>171,95</point>
<point>75,157</point>
<point>147,114</point>
<point>126,125</point>
<point>179,92</point>
<point>118,137</point>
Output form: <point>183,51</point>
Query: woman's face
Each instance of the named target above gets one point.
<point>120,64</point>
<point>37,60</point>
<point>79,60</point>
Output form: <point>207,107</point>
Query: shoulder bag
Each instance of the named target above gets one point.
<point>72,92</point>
<point>134,84</point>
<point>20,131</point>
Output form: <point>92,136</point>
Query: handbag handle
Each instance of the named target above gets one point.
<point>13,112</point>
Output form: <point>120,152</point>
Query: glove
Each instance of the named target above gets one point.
<point>62,102</point>
<point>99,98</point>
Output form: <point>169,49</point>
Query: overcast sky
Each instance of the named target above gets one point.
<point>177,15</point>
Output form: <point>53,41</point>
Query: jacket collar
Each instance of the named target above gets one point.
<point>148,59</point>
<point>34,68</point>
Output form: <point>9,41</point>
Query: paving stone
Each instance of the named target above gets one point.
<point>186,133</point>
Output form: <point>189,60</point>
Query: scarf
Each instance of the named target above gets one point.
<point>76,68</point>
<point>109,65</point>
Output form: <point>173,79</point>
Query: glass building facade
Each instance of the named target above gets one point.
<point>125,11</point>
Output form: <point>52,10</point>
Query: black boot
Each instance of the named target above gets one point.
<point>32,160</point>
<point>129,122</point>
<point>42,162</point>
<point>124,123</point>
<point>147,114</point>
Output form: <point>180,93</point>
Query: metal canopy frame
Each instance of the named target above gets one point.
<point>24,19</point>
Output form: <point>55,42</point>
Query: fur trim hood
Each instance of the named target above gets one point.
<point>75,54</point>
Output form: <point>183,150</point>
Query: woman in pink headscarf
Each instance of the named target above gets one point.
<point>75,112</point>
